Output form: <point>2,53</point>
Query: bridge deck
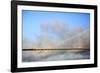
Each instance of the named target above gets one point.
<point>56,49</point>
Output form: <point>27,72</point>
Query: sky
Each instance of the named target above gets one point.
<point>31,21</point>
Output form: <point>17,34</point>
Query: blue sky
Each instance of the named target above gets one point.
<point>33,19</point>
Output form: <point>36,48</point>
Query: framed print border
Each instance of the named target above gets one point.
<point>14,35</point>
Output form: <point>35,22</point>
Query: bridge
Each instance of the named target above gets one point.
<point>72,40</point>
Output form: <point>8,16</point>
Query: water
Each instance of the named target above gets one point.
<point>54,55</point>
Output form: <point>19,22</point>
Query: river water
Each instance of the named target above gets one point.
<point>34,56</point>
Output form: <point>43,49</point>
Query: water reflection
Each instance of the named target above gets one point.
<point>33,56</point>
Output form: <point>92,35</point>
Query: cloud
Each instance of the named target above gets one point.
<point>68,37</point>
